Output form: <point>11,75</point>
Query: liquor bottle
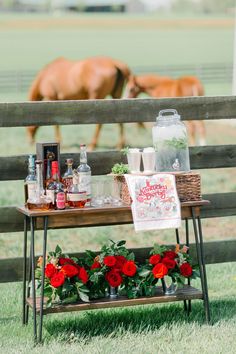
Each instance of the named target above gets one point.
<point>76,198</point>
<point>60,196</point>
<point>48,176</point>
<point>84,174</point>
<point>67,178</point>
<point>39,201</point>
<point>54,183</point>
<point>30,181</point>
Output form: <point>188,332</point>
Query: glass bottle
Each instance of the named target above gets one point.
<point>170,141</point>
<point>84,174</point>
<point>50,158</point>
<point>75,198</point>
<point>30,181</point>
<point>39,201</point>
<point>60,196</point>
<point>67,178</point>
<point>54,183</point>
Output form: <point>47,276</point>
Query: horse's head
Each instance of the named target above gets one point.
<point>132,88</point>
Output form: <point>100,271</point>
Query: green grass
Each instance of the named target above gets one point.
<point>142,329</point>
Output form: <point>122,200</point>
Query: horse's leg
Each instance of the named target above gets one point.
<point>58,134</point>
<point>31,132</point>
<point>121,143</point>
<point>201,128</point>
<point>93,144</point>
<point>191,132</point>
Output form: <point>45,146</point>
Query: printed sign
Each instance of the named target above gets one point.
<point>155,201</point>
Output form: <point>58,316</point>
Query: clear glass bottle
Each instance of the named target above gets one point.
<point>40,200</point>
<point>84,174</point>
<point>30,181</point>
<point>170,141</point>
<point>54,183</point>
<point>76,198</point>
<point>50,158</point>
<point>67,178</point>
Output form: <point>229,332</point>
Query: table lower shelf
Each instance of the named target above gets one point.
<point>185,293</point>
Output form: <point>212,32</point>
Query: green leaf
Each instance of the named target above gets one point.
<point>84,297</point>
<point>70,299</point>
<point>144,272</point>
<point>58,250</point>
<point>121,243</point>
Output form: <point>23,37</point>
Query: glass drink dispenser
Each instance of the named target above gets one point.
<point>170,141</point>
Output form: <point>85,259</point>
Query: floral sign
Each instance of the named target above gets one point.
<point>155,202</point>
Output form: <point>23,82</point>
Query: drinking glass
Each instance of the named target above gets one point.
<point>134,160</point>
<point>149,160</point>
<point>97,193</point>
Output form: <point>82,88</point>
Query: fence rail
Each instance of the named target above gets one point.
<point>20,81</point>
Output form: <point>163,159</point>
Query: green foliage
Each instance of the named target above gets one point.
<point>178,144</point>
<point>120,169</point>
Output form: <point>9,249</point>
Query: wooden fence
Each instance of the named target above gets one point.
<point>20,81</point>
<point>121,111</point>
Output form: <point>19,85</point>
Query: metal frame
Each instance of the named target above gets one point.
<point>30,288</point>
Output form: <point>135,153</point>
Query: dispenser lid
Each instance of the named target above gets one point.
<point>168,113</point>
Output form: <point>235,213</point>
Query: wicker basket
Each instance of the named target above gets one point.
<point>125,196</point>
<point>188,186</point>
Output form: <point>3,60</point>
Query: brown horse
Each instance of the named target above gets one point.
<point>92,78</point>
<point>161,86</point>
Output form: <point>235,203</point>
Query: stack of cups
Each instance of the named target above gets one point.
<point>149,160</point>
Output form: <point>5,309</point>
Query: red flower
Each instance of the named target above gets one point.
<point>50,270</point>
<point>83,275</point>
<point>154,259</point>
<point>160,270</point>
<point>63,261</point>
<point>109,261</point>
<point>129,268</point>
<point>95,265</point>
<point>69,270</point>
<point>170,263</point>
<point>170,254</point>
<point>114,278</point>
<point>57,280</point>
<point>120,261</point>
<point>186,270</point>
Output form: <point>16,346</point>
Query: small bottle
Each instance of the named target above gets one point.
<point>39,201</point>
<point>75,198</point>
<point>60,196</point>
<point>53,183</point>
<point>67,178</point>
<point>84,174</point>
<point>30,181</point>
<point>50,158</point>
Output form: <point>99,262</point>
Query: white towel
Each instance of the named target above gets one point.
<point>155,202</point>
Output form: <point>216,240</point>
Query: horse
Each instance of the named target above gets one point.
<point>163,86</point>
<point>91,78</point>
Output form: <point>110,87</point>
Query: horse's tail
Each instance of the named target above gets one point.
<point>34,92</point>
<point>122,74</point>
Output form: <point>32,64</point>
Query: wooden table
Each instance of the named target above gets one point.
<point>110,215</point>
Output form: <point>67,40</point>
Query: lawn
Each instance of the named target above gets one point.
<point>29,42</point>
<point>142,329</point>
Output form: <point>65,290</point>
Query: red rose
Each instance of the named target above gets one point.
<point>69,270</point>
<point>50,270</point>
<point>170,263</point>
<point>186,270</point>
<point>170,254</point>
<point>120,261</point>
<point>160,270</point>
<point>95,265</point>
<point>83,275</point>
<point>109,261</point>
<point>63,261</point>
<point>57,280</point>
<point>114,278</point>
<point>129,268</point>
<point>154,259</point>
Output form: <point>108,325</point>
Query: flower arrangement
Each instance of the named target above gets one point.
<point>69,279</point>
<point>65,278</point>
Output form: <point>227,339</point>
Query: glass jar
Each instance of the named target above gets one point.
<point>170,141</point>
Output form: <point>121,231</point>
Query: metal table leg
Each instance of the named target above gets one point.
<point>43,277</point>
<point>24,271</point>
<point>199,249</point>
<point>32,226</point>
<point>187,244</point>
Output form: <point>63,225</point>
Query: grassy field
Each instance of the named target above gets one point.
<point>143,330</point>
<point>29,42</point>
